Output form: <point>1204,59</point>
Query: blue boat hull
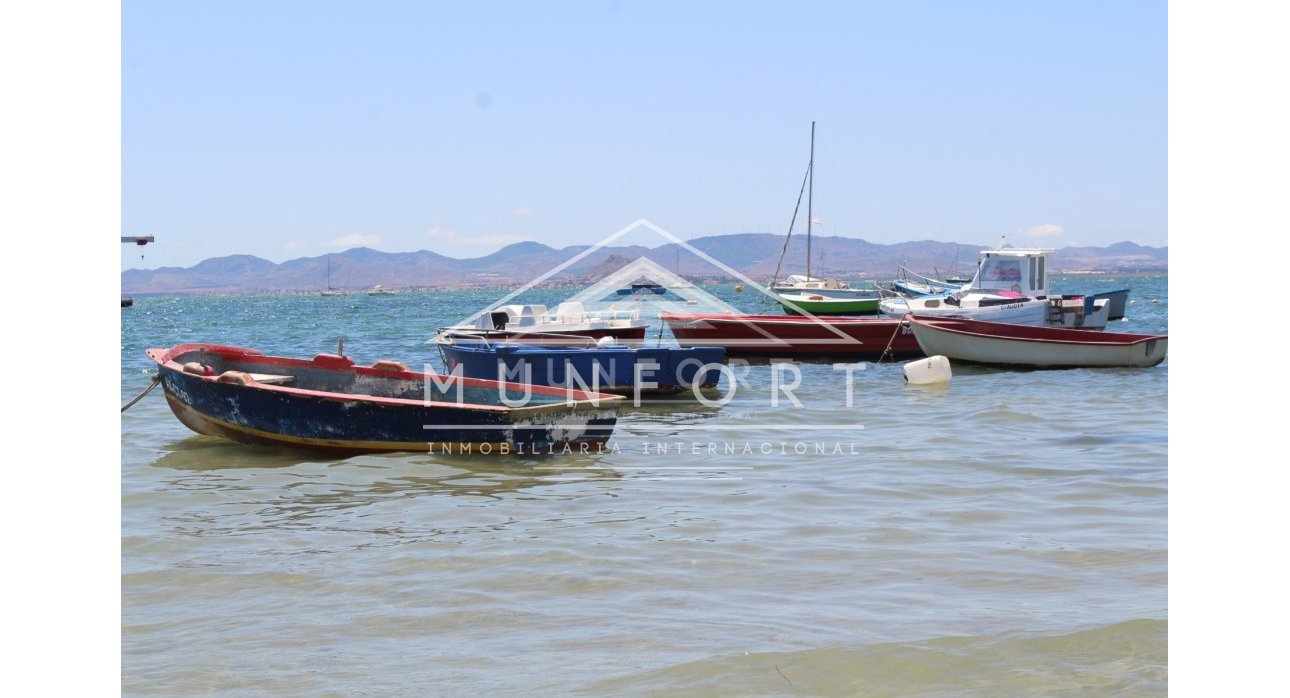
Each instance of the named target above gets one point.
<point>403,420</point>
<point>662,370</point>
<point>1118,300</point>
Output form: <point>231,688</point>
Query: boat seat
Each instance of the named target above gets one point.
<point>571,312</point>
<point>272,378</point>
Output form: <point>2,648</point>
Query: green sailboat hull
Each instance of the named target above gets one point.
<point>829,306</point>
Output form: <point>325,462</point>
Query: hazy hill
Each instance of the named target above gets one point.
<point>752,254</point>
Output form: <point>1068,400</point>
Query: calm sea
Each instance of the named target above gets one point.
<point>1002,535</point>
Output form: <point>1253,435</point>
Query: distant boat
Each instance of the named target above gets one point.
<point>330,404</point>
<point>329,291</point>
<point>1002,344</point>
<point>635,289</point>
<point>126,301</point>
<point>379,290</point>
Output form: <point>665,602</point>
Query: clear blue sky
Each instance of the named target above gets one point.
<point>288,129</point>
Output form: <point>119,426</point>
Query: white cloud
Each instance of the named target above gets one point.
<point>524,211</point>
<point>440,233</point>
<point>496,240</point>
<point>1042,231</point>
<point>355,240</point>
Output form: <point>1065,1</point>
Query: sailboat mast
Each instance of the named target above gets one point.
<point>810,171</point>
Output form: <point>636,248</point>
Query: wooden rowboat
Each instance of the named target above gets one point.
<point>328,403</point>
<point>996,343</point>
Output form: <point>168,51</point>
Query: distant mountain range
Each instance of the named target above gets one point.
<point>752,254</point>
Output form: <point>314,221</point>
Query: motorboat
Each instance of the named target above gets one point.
<point>535,324</point>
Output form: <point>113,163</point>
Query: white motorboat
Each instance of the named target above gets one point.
<point>543,326</point>
<point>1010,286</point>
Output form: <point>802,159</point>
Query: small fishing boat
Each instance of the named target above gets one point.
<point>1011,286</point>
<point>379,290</point>
<point>641,288</point>
<point>795,335</point>
<point>1003,344</point>
<point>542,326</point>
<point>329,403</point>
<point>824,303</point>
<point>599,367</point>
<point>913,285</point>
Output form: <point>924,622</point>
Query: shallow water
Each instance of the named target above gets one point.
<point>1004,534</point>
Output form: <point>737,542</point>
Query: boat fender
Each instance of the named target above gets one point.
<point>198,369</point>
<point>388,365</point>
<point>933,369</point>
<point>333,361</point>
<point>604,342</point>
<point>236,378</point>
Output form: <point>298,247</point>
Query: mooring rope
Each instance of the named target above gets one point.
<point>899,325</point>
<point>155,381</point>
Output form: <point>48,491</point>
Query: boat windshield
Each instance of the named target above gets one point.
<point>1001,272</point>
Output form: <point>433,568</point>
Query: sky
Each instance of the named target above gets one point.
<point>290,129</point>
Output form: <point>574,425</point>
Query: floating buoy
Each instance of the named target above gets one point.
<point>1133,301</point>
<point>739,289</point>
<point>933,369</point>
<point>1155,302</point>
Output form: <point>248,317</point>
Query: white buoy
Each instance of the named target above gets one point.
<point>933,369</point>
<point>605,341</point>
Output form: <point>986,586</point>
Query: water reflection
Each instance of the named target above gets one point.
<point>200,453</point>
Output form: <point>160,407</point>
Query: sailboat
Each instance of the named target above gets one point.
<point>329,291</point>
<point>806,294</point>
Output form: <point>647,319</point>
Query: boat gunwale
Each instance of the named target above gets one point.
<point>1118,339</point>
<point>776,319</point>
<point>165,359</point>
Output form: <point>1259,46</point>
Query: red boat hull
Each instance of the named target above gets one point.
<point>795,335</point>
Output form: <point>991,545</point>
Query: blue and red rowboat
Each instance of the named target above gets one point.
<point>330,404</point>
<point>605,368</point>
<point>795,335</point>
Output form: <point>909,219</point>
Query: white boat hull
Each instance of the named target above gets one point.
<point>1026,311</point>
<point>1098,350</point>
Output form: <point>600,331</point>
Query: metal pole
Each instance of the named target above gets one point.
<point>810,170</point>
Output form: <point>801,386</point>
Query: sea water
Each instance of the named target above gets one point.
<point>1004,534</point>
